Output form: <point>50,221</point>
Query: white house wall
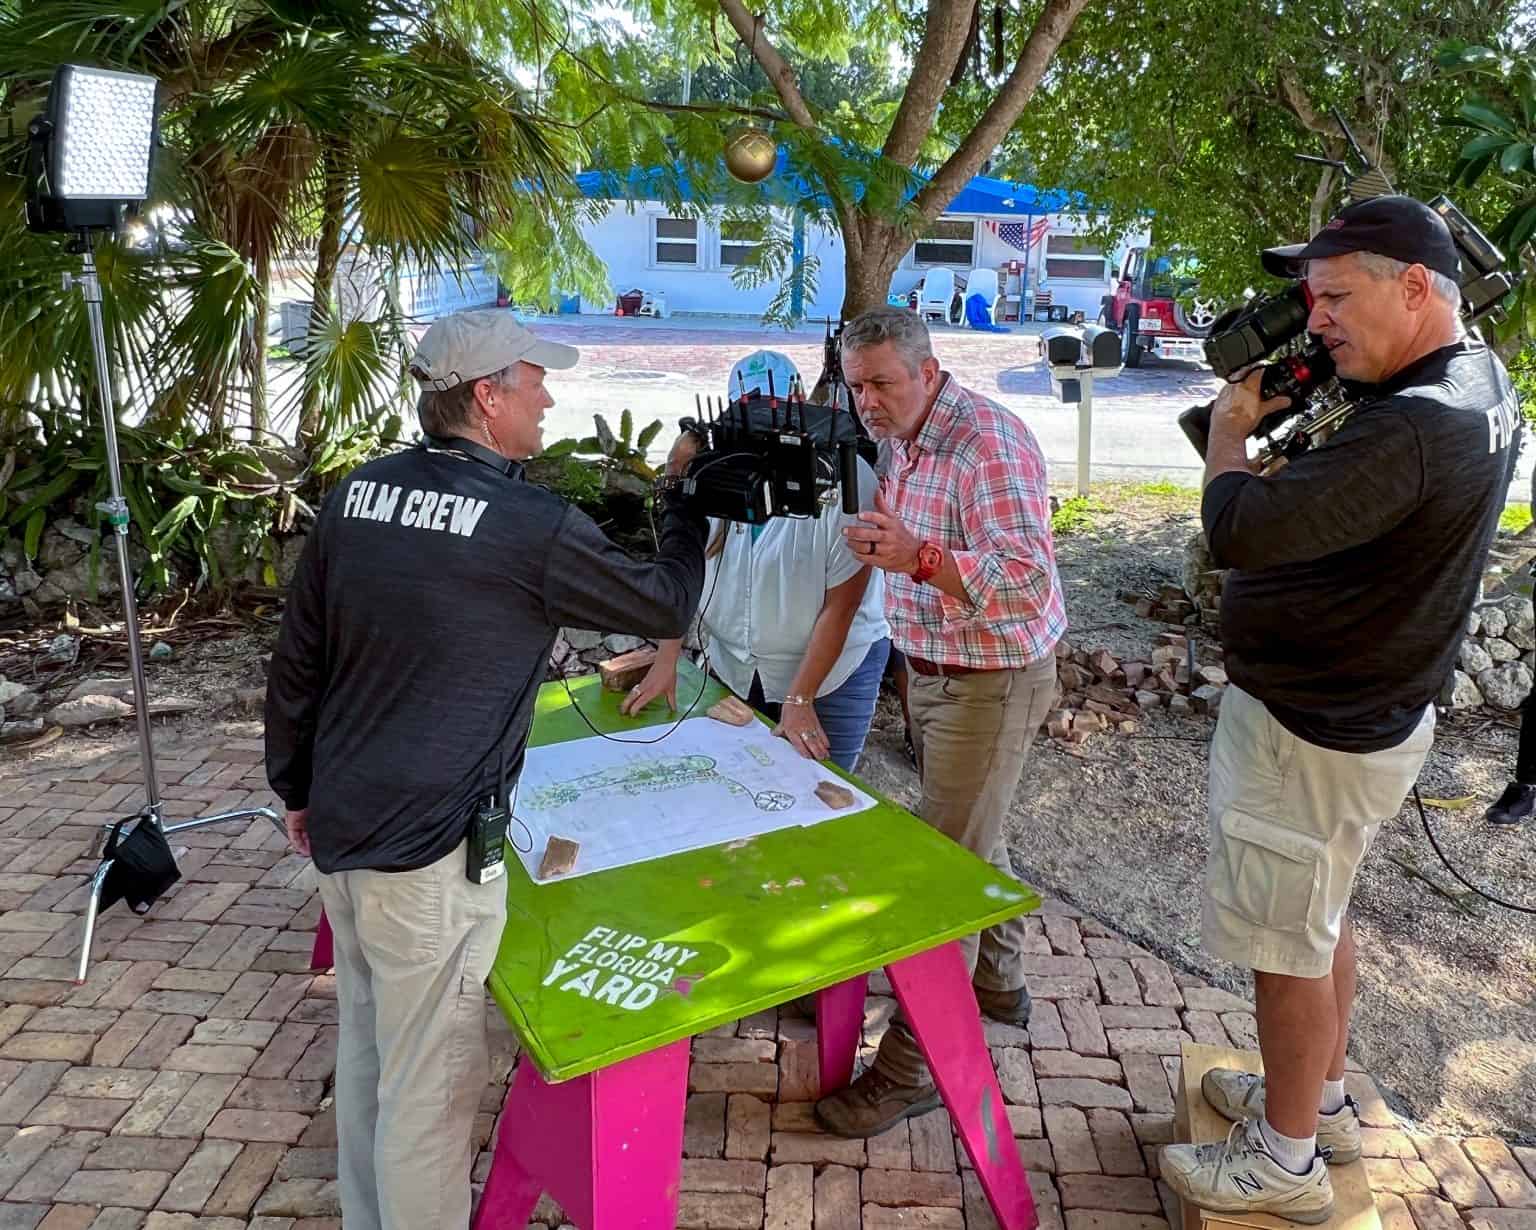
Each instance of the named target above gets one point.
<point>622,239</point>
<point>1076,294</point>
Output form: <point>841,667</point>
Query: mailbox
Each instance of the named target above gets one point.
<point>1074,356</point>
<point>1081,346</point>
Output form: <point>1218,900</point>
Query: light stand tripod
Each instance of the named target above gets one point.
<point>115,509</point>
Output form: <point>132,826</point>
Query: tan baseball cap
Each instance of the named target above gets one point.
<point>468,345</point>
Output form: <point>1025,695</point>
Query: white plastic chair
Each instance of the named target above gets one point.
<point>982,282</point>
<point>937,292</point>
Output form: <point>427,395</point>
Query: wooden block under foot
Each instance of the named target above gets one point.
<point>1194,1122</point>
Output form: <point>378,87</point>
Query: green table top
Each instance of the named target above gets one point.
<point>599,968</point>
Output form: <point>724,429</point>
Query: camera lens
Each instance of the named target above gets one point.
<point>1256,330</point>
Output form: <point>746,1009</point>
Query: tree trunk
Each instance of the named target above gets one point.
<point>1322,195</point>
<point>255,358</point>
<point>328,256</point>
<point>869,264</point>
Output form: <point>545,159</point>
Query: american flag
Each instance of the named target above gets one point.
<point>1014,233</point>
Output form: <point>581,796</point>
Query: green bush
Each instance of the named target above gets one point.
<point>197,505</point>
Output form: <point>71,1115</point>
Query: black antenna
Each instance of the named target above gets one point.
<point>1365,163</point>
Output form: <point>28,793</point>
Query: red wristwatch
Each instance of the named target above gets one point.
<point>929,560</point>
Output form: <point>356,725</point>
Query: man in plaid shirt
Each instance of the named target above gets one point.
<point>962,530</point>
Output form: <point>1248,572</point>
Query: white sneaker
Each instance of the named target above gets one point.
<point>1240,1175</point>
<point>1239,1095</point>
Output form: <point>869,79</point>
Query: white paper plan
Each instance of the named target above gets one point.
<point>704,784</point>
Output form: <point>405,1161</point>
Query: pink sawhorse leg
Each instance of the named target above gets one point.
<point>322,957</point>
<point>839,1029</point>
<point>608,1146</point>
<point>934,989</point>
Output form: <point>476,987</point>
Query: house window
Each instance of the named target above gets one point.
<point>949,241</point>
<point>1073,256</point>
<point>738,243</point>
<point>675,241</point>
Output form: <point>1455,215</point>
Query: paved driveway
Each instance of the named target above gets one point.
<point>656,368</point>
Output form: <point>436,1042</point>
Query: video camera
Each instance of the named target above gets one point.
<point>1305,371</point>
<point>773,453</point>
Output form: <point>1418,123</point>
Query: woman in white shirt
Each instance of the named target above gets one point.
<point>793,623</point>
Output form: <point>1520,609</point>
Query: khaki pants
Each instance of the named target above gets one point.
<point>413,950</point>
<point>972,735</point>
<point>1290,824</point>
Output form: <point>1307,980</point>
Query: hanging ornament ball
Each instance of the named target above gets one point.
<point>750,153</point>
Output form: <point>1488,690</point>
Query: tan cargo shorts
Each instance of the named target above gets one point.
<point>1290,823</point>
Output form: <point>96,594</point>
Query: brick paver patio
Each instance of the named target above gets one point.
<point>187,1084</point>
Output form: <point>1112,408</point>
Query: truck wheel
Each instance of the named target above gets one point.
<point>1130,348</point>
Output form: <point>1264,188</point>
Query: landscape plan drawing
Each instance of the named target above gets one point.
<point>705,784</point>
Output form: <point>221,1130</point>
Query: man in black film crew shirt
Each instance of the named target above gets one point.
<point>1353,569</point>
<point>417,633</point>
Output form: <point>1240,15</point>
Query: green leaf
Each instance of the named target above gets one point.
<point>561,448</point>
<point>626,427</point>
<point>1469,171</point>
<point>188,486</point>
<point>649,434</point>
<point>1456,56</point>
<point>605,439</point>
<point>1521,231</point>
<point>170,525</point>
<point>34,532</point>
<point>1514,158</point>
<point>1488,118</point>
<point>44,496</point>
<point>1488,143</point>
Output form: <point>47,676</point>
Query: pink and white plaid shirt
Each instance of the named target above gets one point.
<point>974,483</point>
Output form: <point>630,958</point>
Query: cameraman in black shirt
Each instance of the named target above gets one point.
<point>1353,569</point>
<point>399,701</point>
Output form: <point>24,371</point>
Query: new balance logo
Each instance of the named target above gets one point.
<point>1249,1184</point>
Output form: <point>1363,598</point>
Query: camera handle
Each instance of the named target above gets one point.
<point>848,474</point>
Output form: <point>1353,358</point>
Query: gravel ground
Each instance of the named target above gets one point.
<point>1446,1016</point>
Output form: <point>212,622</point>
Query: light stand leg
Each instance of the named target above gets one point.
<point>116,511</point>
<point>91,908</point>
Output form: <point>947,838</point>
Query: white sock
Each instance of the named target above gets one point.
<point>1333,1097</point>
<point>1294,1153</point>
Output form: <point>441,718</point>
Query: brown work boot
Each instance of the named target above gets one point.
<point>873,1104</point>
<point>1009,1007</point>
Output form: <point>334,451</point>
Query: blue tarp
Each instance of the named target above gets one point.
<point>979,316</point>
<point>983,195</point>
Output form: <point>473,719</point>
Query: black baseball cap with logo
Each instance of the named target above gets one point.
<point>1396,226</point>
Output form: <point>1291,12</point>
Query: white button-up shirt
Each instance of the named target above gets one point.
<point>762,599</point>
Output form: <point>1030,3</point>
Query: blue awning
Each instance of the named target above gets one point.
<point>786,186</point>
<point>985,195</point>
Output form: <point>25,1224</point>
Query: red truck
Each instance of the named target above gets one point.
<point>1148,309</point>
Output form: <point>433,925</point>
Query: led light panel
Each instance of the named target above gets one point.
<point>105,132</point>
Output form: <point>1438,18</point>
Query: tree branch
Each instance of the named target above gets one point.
<point>1296,99</point>
<point>1051,28</point>
<point>748,29</point>
<point>945,30</point>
